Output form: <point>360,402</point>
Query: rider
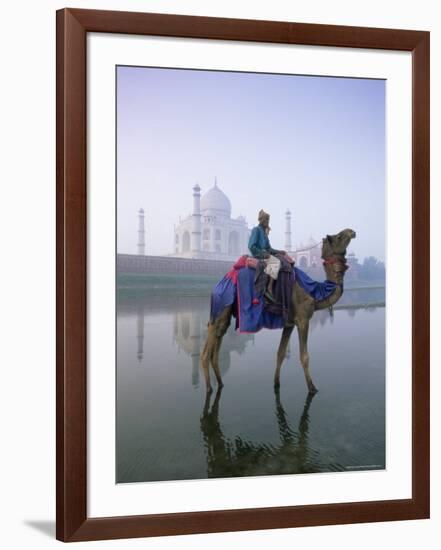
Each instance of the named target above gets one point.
<point>260,247</point>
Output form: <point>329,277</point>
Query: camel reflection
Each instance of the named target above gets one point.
<point>239,457</point>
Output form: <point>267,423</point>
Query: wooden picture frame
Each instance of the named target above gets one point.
<point>72,522</point>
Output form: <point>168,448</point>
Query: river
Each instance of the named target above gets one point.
<point>167,429</point>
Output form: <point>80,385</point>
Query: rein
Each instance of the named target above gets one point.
<point>316,245</point>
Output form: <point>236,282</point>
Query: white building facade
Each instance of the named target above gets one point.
<point>210,232</point>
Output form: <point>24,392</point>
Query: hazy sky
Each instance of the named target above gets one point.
<point>315,145</point>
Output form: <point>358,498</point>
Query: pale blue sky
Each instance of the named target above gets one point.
<point>315,145</point>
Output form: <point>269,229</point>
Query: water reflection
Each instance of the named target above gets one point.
<point>189,333</point>
<point>239,457</point>
<point>167,429</point>
<point>140,315</point>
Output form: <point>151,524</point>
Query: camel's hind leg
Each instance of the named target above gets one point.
<point>212,346</point>
<point>303,328</point>
<point>215,361</point>
<point>281,353</point>
<point>206,354</point>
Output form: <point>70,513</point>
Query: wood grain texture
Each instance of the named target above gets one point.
<point>71,463</point>
<point>253,30</point>
<point>421,273</point>
<point>71,275</point>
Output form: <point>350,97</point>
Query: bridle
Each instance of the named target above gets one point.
<point>337,261</point>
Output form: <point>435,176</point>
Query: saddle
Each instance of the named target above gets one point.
<point>252,263</point>
<point>282,286</point>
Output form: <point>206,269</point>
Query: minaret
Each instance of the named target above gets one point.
<point>140,332</point>
<point>288,245</point>
<point>196,222</point>
<point>141,233</point>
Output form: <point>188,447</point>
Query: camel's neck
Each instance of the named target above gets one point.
<point>335,267</point>
<point>331,299</point>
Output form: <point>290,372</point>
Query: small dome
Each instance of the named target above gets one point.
<point>215,199</point>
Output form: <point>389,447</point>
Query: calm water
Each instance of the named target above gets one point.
<point>167,429</point>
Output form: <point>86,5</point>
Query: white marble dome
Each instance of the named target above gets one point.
<point>209,232</point>
<point>216,201</point>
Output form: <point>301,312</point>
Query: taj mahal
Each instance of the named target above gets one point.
<point>210,233</point>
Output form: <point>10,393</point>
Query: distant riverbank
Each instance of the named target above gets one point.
<point>131,286</point>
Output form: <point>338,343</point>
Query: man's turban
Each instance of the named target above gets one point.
<point>262,214</point>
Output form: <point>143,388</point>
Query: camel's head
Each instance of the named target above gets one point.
<point>337,244</point>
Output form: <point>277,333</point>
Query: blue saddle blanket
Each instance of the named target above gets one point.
<point>237,289</point>
<point>317,290</point>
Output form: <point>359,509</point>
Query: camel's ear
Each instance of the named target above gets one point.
<point>329,237</point>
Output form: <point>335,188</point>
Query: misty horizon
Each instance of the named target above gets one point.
<point>313,145</point>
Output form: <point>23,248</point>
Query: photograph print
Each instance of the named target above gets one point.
<point>250,274</point>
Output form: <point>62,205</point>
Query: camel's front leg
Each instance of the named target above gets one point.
<point>303,328</point>
<point>281,353</point>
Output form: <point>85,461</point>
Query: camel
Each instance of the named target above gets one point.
<point>303,307</point>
